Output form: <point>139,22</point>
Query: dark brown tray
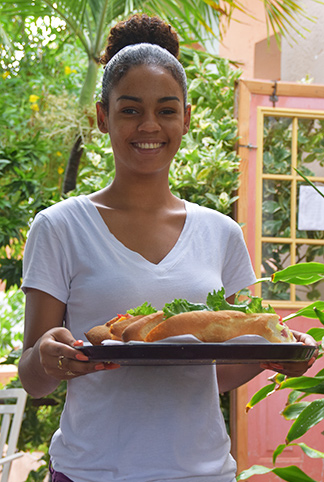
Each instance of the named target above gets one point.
<point>198,353</point>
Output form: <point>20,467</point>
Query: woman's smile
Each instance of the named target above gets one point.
<point>148,145</point>
<point>146,120</point>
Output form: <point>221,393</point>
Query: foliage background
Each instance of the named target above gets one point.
<point>40,114</point>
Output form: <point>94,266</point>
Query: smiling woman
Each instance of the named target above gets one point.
<point>90,257</point>
<point>145,124</point>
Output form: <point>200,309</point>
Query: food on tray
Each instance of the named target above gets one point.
<point>220,326</point>
<point>214,322</point>
<point>98,333</point>
<point>137,331</point>
<point>118,327</point>
<point>111,330</point>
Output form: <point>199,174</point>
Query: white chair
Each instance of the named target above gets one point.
<point>11,415</point>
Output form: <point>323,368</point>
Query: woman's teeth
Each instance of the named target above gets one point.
<point>148,145</point>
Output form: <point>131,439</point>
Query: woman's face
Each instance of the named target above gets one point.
<point>146,120</point>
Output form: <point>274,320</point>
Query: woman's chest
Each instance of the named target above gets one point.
<point>151,235</point>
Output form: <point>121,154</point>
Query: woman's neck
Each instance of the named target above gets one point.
<point>144,193</point>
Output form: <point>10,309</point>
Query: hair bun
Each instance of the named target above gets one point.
<point>141,29</point>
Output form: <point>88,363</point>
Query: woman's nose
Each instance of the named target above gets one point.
<point>149,123</point>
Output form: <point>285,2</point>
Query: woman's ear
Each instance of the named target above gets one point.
<point>187,116</point>
<point>102,118</point>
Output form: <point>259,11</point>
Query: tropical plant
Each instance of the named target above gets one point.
<point>35,143</point>
<point>33,140</point>
<point>305,413</point>
<point>89,20</point>
<point>11,321</point>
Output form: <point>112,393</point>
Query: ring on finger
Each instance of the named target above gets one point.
<point>70,374</point>
<point>60,362</point>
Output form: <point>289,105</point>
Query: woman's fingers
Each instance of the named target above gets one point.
<point>62,361</point>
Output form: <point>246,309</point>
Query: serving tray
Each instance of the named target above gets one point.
<point>197,353</point>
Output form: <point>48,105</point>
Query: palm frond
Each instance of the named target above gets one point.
<point>286,18</point>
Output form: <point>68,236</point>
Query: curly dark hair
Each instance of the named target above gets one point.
<point>141,29</point>
<point>141,40</point>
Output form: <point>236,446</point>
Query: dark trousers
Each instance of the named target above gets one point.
<point>57,476</point>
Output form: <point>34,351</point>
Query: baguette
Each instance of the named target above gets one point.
<point>117,328</point>
<point>111,330</point>
<point>98,333</point>
<point>220,326</point>
<point>137,331</point>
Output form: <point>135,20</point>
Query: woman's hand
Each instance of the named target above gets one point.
<point>48,353</point>
<point>295,369</point>
<point>62,361</point>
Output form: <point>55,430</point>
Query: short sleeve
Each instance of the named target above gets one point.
<point>45,264</point>
<point>238,272</point>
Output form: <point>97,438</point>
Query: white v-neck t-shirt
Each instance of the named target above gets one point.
<point>136,424</point>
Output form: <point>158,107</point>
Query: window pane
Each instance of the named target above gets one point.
<point>277,145</point>
<point>276,208</point>
<point>311,216</point>
<point>274,257</point>
<point>311,146</point>
<point>308,253</point>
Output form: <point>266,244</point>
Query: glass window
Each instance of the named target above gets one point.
<point>289,210</point>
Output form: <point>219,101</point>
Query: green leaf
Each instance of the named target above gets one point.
<point>308,311</point>
<point>316,333</point>
<point>292,411</point>
<point>255,306</point>
<point>301,383</point>
<point>309,181</point>
<point>260,395</point>
<point>144,309</point>
<point>300,274</point>
<point>277,452</point>
<point>290,474</point>
<point>216,301</point>
<point>309,417</point>
<point>310,452</point>
<point>320,315</point>
<point>254,470</point>
<point>181,306</point>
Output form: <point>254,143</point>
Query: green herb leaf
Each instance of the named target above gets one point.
<point>216,301</point>
<point>181,306</point>
<point>144,309</point>
<point>255,306</point>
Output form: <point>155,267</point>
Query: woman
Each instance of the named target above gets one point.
<point>90,257</point>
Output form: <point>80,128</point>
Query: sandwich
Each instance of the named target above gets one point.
<point>215,321</point>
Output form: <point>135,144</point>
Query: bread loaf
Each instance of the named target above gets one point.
<point>137,331</point>
<point>220,326</point>
<point>112,329</point>
<point>117,328</point>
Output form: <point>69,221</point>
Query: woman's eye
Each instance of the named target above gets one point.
<point>129,110</point>
<point>168,111</point>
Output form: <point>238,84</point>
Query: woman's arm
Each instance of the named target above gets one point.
<point>48,354</point>
<point>43,320</point>
<point>233,376</point>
